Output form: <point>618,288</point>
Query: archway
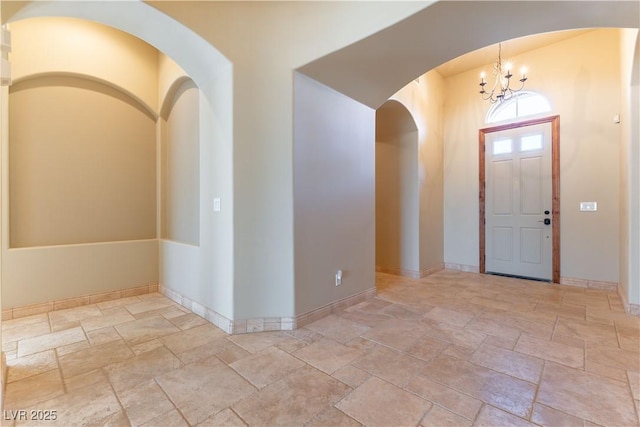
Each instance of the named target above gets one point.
<point>397,194</point>
<point>188,274</point>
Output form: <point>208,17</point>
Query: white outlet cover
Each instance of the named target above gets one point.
<point>588,206</point>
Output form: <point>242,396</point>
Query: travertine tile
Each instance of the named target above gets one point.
<point>24,367</point>
<point>508,393</point>
<point>629,338</point>
<point>396,333</point>
<point>170,419</point>
<point>552,351</point>
<point>25,331</point>
<point>338,328</point>
<point>145,402</point>
<point>82,361</point>
<point>585,395</point>
<point>328,355</point>
<point>74,314</point>
<point>112,318</point>
<point>71,348</point>
<point>139,331</point>
<point>266,366</point>
<point>91,378</point>
<point>568,311</point>
<point>34,389</point>
<point>50,341</point>
<point>187,320</point>
<point>332,417</point>
<point>547,416</point>
<point>509,362</point>
<point>225,350</point>
<point>456,335</point>
<point>195,337</point>
<point>146,346</point>
<point>451,317</point>
<point>103,336</point>
<point>149,304</point>
<point>141,368</point>
<point>406,312</point>
<point>588,331</point>
<point>378,403</point>
<point>204,388</point>
<point>507,331</point>
<point>438,416</point>
<point>22,322</point>
<point>351,375</point>
<point>458,351</point>
<point>492,417</point>
<point>614,373</point>
<point>293,400</point>
<point>490,325</point>
<point>613,356</point>
<point>426,348</point>
<point>258,341</point>
<point>462,404</point>
<point>390,365</point>
<point>572,341</point>
<point>72,408</point>
<point>634,384</point>
<point>226,418</point>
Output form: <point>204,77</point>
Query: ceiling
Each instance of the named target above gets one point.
<point>510,48</point>
<point>374,68</point>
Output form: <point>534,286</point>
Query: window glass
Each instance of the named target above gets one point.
<point>522,104</point>
<point>502,146</point>
<point>531,142</point>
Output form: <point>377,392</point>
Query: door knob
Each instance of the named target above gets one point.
<point>546,221</point>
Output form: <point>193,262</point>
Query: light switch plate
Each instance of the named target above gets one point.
<point>588,206</point>
<point>216,204</point>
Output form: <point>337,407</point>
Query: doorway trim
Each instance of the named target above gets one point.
<point>555,187</point>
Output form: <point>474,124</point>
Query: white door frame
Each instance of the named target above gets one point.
<point>555,171</point>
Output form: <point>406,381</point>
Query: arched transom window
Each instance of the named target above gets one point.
<point>522,104</point>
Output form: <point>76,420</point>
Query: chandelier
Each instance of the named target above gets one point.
<point>501,89</point>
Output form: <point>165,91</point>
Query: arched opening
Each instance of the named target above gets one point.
<point>180,165</point>
<point>523,104</point>
<point>397,192</point>
<point>173,95</point>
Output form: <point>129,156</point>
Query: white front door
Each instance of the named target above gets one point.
<point>518,204</point>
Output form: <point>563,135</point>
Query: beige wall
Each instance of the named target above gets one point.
<point>580,77</point>
<point>424,99</point>
<point>630,168</point>
<point>81,163</point>
<point>335,215</point>
<point>181,168</point>
<point>265,41</point>
<point>67,45</point>
<point>397,198</point>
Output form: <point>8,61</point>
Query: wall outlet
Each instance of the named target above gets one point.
<point>339,278</point>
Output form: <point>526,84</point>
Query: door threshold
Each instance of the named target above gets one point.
<point>515,276</point>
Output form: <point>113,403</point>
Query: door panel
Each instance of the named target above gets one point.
<point>518,193</point>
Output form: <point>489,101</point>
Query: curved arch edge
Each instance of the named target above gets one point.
<point>136,100</point>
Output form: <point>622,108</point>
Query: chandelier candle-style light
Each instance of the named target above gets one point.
<point>501,89</point>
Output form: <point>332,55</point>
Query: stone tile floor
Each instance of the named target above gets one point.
<point>454,348</point>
